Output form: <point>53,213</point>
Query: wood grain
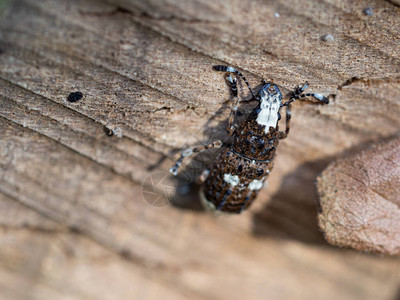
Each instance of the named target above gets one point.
<point>74,223</point>
<point>360,198</point>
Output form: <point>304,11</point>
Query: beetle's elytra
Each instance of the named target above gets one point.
<point>240,171</point>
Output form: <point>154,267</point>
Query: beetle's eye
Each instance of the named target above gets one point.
<point>271,89</point>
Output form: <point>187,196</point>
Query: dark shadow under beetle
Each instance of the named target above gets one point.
<point>291,212</point>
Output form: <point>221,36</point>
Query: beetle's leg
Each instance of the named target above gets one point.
<point>235,103</point>
<point>298,94</point>
<point>232,70</point>
<point>191,151</point>
<point>284,134</point>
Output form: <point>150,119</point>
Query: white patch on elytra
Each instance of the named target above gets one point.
<point>268,116</point>
<point>233,180</point>
<point>255,185</point>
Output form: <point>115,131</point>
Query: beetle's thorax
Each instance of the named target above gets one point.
<point>270,101</point>
<point>251,141</point>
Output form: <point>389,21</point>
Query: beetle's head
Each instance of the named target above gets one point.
<point>269,94</point>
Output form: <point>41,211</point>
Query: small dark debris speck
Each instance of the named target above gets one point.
<point>108,131</point>
<point>76,96</point>
<point>368,11</point>
<point>125,253</point>
<point>74,229</point>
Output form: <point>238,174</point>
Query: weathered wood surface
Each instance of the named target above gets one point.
<point>73,220</point>
<point>360,200</point>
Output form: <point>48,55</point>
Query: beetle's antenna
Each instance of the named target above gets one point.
<point>297,94</point>
<point>232,70</point>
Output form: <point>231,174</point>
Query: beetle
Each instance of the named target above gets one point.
<point>239,171</point>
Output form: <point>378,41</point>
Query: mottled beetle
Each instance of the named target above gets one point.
<point>239,171</point>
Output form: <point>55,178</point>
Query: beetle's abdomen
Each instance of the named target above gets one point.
<point>234,181</point>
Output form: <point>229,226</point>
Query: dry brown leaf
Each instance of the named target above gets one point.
<point>360,200</point>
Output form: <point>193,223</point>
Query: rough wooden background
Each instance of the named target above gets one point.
<point>74,222</point>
